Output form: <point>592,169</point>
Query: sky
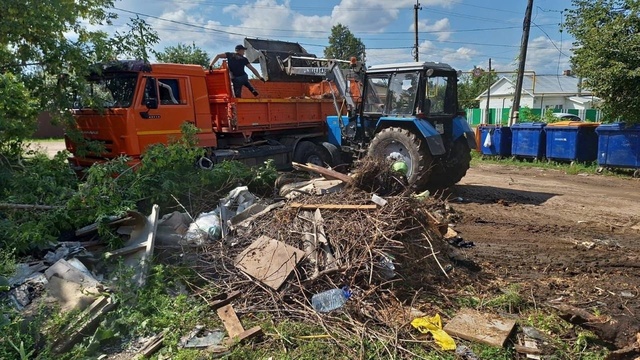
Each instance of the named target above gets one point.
<point>462,33</point>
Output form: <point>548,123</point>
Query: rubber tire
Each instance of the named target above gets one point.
<point>454,167</point>
<point>334,153</point>
<point>418,152</point>
<point>306,151</point>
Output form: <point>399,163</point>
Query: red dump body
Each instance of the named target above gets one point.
<point>204,98</point>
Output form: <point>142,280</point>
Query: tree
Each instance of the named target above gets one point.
<point>184,54</point>
<point>138,41</point>
<point>344,45</point>
<point>470,87</point>
<point>607,53</point>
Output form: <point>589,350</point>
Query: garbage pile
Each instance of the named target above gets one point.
<point>352,252</point>
<point>328,245</point>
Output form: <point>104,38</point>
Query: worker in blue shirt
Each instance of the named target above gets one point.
<point>236,63</point>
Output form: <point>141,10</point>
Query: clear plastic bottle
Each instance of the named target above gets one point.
<point>330,300</point>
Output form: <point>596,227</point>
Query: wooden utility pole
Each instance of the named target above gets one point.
<point>488,111</point>
<point>515,108</point>
<point>416,7</point>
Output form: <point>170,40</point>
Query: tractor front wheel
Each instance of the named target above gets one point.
<point>402,145</point>
<point>452,168</point>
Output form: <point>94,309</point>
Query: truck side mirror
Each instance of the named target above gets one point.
<point>152,103</point>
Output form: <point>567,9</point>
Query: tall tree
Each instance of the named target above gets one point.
<point>607,53</point>
<point>138,42</point>
<point>471,86</point>
<point>184,54</point>
<point>344,45</point>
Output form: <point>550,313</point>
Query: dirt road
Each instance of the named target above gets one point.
<point>51,148</point>
<point>566,238</point>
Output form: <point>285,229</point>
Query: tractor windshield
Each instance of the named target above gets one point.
<point>403,88</point>
<point>440,96</point>
<point>110,90</point>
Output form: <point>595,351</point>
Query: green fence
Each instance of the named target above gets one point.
<point>501,116</point>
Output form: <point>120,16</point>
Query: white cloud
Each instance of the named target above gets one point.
<point>439,28</point>
<point>542,56</point>
<point>459,58</point>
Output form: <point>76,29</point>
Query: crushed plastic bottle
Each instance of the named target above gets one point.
<point>330,300</point>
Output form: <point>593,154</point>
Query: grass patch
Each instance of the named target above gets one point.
<point>569,168</point>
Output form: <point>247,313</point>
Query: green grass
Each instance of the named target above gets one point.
<point>569,168</point>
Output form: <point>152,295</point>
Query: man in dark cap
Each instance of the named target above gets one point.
<point>236,63</point>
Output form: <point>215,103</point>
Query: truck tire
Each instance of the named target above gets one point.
<point>453,168</point>
<point>308,152</point>
<point>334,153</point>
<point>408,145</point>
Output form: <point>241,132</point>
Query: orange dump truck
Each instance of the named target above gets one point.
<point>147,104</point>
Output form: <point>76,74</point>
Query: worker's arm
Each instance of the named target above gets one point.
<point>255,72</point>
<point>219,56</point>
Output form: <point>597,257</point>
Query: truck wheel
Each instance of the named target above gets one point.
<point>453,168</point>
<point>334,153</point>
<point>308,152</point>
<point>400,143</point>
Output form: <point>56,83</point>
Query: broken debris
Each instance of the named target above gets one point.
<point>269,261</point>
<point>485,328</point>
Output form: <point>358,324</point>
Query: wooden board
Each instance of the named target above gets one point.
<point>245,335</point>
<point>332,207</point>
<point>269,261</point>
<point>489,329</point>
<point>326,173</point>
<point>230,320</point>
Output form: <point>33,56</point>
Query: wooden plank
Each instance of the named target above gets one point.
<point>223,299</point>
<point>269,261</point>
<point>230,320</point>
<point>327,173</point>
<point>332,207</point>
<point>488,329</point>
<point>244,336</point>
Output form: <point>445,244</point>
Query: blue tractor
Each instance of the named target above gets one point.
<point>404,112</point>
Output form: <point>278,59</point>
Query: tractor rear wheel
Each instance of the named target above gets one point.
<point>453,168</point>
<point>401,144</point>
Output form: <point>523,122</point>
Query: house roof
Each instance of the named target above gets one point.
<point>542,85</point>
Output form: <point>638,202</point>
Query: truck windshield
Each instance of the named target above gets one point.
<point>112,90</point>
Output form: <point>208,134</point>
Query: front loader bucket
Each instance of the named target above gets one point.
<point>271,54</point>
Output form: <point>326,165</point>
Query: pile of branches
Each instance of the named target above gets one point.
<point>385,256</point>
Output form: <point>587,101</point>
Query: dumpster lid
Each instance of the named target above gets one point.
<point>573,124</point>
<point>531,125</point>
<point>618,127</point>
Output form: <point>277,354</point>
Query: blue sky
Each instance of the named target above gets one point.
<point>463,33</point>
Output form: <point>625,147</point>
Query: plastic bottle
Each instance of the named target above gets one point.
<point>330,299</point>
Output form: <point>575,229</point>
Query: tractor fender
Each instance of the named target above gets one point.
<point>420,127</point>
<point>461,128</point>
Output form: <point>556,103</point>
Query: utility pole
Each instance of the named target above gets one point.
<point>416,7</point>
<point>488,111</point>
<point>515,108</point>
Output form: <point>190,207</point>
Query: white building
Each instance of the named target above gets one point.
<point>541,92</point>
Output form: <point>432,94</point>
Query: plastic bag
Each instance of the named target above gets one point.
<point>206,226</point>
<point>433,325</point>
<point>487,140</point>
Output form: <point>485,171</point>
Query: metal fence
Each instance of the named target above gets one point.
<point>500,116</point>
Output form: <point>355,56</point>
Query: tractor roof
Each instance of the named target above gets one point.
<point>411,66</point>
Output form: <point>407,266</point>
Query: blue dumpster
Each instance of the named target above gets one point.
<point>528,140</point>
<point>619,146</point>
<point>495,141</point>
<point>572,141</point>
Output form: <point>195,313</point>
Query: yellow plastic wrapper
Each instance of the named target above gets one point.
<point>433,325</point>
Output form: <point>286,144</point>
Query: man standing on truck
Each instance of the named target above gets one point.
<point>236,63</point>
